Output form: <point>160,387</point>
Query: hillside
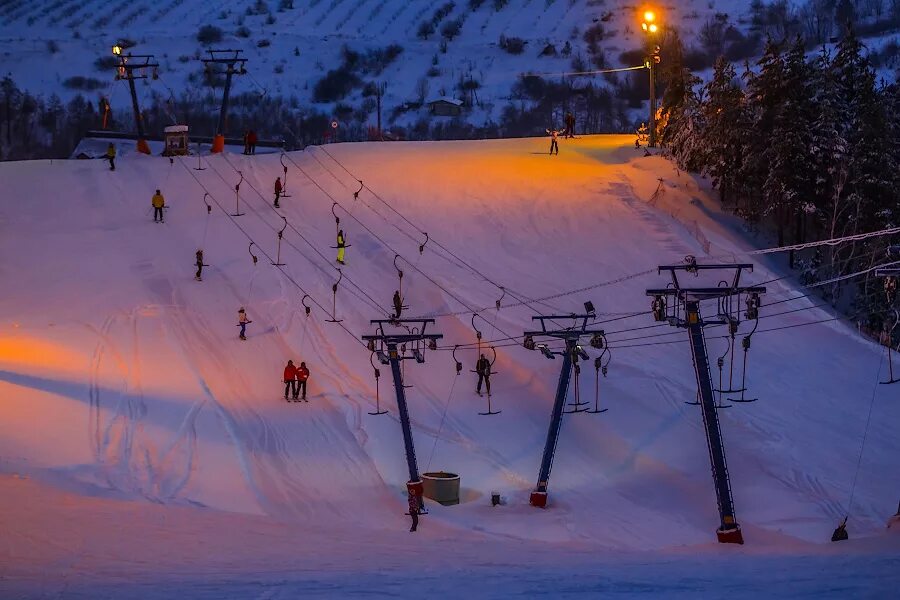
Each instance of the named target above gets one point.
<point>145,449</point>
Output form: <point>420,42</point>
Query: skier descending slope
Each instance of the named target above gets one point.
<point>278,189</point>
<point>158,203</point>
<point>290,380</point>
<point>243,321</point>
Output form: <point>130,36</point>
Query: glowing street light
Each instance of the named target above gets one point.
<point>650,27</point>
<point>117,50</point>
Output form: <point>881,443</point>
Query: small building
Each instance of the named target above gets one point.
<point>176,138</point>
<point>445,107</point>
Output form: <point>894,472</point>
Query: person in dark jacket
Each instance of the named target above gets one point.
<point>302,376</point>
<point>398,304</point>
<point>413,501</point>
<point>570,126</point>
<point>199,263</point>
<point>483,368</point>
<point>278,189</point>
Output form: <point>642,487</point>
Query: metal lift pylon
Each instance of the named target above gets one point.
<point>390,341</point>
<point>571,336</point>
<point>687,301</point>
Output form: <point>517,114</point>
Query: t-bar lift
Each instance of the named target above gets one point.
<point>684,312</point>
<point>392,342</point>
<point>572,352</point>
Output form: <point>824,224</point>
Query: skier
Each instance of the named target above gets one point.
<point>246,141</point>
<point>302,376</point>
<point>111,156</point>
<point>290,380</point>
<point>413,500</point>
<point>243,321</point>
<point>483,368</point>
<point>277,191</point>
<point>158,202</point>
<point>554,144</point>
<point>570,126</point>
<point>199,264</point>
<point>341,244</point>
<point>251,141</point>
<point>398,304</point>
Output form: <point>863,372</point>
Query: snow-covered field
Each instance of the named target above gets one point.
<point>146,452</point>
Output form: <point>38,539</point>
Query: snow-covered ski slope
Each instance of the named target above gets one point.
<point>142,443</point>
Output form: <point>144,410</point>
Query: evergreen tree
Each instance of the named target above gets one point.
<point>725,132</point>
<point>790,182</point>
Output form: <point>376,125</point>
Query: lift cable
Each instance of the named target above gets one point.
<point>283,271</point>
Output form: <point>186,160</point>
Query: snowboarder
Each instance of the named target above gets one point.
<point>290,380</point>
<point>341,244</point>
<point>158,203</point>
<point>483,368</point>
<point>302,376</point>
<point>277,191</point>
<point>251,141</point>
<point>243,321</point>
<point>111,156</point>
<point>398,304</point>
<point>199,264</point>
<point>570,126</point>
<point>413,500</point>
<point>554,144</point>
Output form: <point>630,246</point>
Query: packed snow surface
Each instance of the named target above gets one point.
<point>146,452</point>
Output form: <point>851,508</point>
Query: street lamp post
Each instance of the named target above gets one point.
<point>650,27</point>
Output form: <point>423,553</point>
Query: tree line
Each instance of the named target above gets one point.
<point>805,145</point>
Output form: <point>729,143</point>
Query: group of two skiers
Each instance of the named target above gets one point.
<point>250,140</point>
<point>295,381</point>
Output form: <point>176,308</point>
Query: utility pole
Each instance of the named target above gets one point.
<point>890,275</point>
<point>650,25</point>
<point>128,64</point>
<point>684,312</point>
<point>571,336</point>
<point>650,64</point>
<point>390,349</point>
<point>234,64</point>
<point>379,93</point>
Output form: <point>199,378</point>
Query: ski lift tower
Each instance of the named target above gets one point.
<point>234,64</point>
<point>125,69</point>
<point>395,344</point>
<point>684,311</point>
<point>571,335</point>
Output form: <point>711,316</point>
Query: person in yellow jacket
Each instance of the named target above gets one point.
<point>158,203</point>
<point>111,156</point>
<point>341,244</point>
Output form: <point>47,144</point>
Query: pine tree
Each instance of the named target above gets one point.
<point>790,181</point>
<point>725,132</point>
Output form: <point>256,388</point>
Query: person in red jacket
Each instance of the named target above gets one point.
<point>251,141</point>
<point>302,376</point>
<point>290,380</point>
<point>278,189</point>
